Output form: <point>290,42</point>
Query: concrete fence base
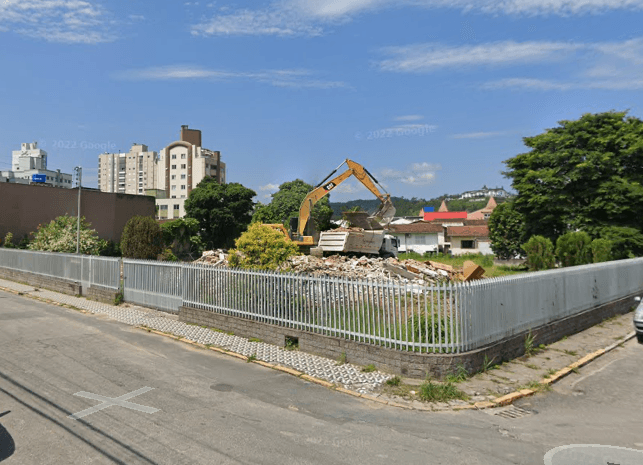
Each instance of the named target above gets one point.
<point>409,364</point>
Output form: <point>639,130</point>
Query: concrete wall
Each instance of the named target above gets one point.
<point>409,364</point>
<point>23,208</point>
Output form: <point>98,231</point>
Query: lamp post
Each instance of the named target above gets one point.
<point>79,173</point>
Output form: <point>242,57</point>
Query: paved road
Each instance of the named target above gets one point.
<point>216,409</point>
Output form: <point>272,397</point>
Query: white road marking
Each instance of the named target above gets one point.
<point>110,402</point>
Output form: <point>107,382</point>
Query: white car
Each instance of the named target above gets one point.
<point>638,320</point>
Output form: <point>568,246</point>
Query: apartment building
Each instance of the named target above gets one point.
<point>182,165</point>
<point>128,173</point>
<point>31,160</point>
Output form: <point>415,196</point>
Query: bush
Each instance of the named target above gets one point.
<point>167,256</point>
<point>142,238</point>
<point>626,242</point>
<point>182,237</point>
<point>540,253</point>
<point>573,249</point>
<point>110,249</point>
<point>262,247</point>
<point>60,235</point>
<point>417,326</point>
<point>601,250</point>
<point>8,241</point>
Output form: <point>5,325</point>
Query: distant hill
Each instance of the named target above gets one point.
<point>410,207</point>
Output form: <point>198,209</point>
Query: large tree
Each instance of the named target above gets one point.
<point>285,204</point>
<point>222,210</point>
<point>507,231</point>
<point>582,175</point>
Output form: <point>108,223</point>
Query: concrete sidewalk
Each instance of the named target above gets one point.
<point>497,386</point>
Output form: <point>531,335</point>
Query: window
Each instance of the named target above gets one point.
<point>173,167</point>
<point>173,188</point>
<point>174,196</point>
<point>183,186</point>
<point>183,156</point>
<point>173,156</point>
<point>182,176</point>
<point>176,207</point>
<point>183,166</point>
<point>420,239</point>
<point>173,177</point>
<point>468,244</point>
<point>163,207</point>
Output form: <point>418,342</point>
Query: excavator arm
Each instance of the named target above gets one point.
<point>385,212</point>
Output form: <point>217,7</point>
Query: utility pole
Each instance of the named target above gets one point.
<point>79,173</point>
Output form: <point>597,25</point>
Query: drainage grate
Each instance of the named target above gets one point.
<point>512,412</point>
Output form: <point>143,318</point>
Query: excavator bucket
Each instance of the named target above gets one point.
<point>385,213</point>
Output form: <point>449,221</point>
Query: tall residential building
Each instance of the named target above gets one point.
<point>182,165</point>
<point>30,160</point>
<point>128,173</point>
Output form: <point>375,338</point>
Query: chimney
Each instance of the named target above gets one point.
<point>192,136</point>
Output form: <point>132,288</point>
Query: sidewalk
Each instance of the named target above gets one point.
<point>499,385</point>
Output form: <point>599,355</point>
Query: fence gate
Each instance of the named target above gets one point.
<point>153,284</point>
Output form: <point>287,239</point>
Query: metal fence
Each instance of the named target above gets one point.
<point>153,284</point>
<point>493,309</point>
<point>86,269</point>
<point>399,316</point>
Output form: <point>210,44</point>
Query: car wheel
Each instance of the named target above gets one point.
<point>639,337</point>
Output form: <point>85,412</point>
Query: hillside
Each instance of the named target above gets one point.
<point>409,207</point>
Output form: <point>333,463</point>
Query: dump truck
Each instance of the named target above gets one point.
<point>363,242</point>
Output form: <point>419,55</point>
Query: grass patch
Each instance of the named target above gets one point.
<point>251,358</point>
<point>394,381</point>
<point>254,339</point>
<point>433,392</point>
<point>485,261</point>
<point>531,365</point>
<point>536,386</point>
<point>459,375</point>
<point>550,372</point>
<point>573,353</point>
<point>369,368</point>
<point>529,344</point>
<point>342,359</point>
<point>487,364</point>
<point>292,343</point>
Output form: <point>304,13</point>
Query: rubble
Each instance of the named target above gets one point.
<point>340,266</point>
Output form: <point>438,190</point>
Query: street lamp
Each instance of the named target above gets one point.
<point>79,173</point>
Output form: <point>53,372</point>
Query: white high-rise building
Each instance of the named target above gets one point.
<point>30,160</point>
<point>128,173</point>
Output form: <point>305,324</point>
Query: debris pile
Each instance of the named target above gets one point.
<point>340,266</point>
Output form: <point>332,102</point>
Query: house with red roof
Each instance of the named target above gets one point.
<point>484,213</point>
<point>443,213</point>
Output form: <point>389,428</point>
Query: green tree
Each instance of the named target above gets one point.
<point>60,235</point>
<point>573,248</point>
<point>222,210</point>
<point>582,175</point>
<point>540,253</point>
<point>626,242</point>
<point>507,231</point>
<point>182,236</point>
<point>262,247</point>
<point>142,238</point>
<point>601,250</point>
<point>285,204</point>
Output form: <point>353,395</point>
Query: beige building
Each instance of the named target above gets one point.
<point>182,165</point>
<point>128,173</point>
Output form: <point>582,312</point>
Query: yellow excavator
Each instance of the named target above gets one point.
<point>384,214</point>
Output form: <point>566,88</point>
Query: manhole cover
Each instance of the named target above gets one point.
<point>512,412</point>
<point>221,387</point>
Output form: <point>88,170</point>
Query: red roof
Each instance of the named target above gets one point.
<point>417,228</point>
<point>468,231</point>
<point>429,216</point>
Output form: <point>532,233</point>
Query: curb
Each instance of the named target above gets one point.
<point>498,402</point>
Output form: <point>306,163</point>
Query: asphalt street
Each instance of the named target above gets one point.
<point>154,400</point>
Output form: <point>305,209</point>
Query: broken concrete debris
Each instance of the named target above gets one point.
<point>340,266</point>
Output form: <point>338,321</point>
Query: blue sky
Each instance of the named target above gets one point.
<point>429,95</point>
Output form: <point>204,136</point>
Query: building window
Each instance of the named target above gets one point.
<point>173,156</point>
<point>183,156</point>
<point>182,176</point>
<point>173,177</point>
<point>174,196</point>
<point>468,244</point>
<point>176,207</point>
<point>163,207</point>
<point>183,186</point>
<point>173,167</point>
<point>173,188</point>
<point>183,166</point>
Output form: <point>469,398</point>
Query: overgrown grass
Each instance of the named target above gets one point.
<point>394,381</point>
<point>369,368</point>
<point>459,375</point>
<point>485,261</point>
<point>433,392</point>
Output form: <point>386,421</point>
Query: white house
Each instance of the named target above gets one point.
<point>419,237</point>
<point>469,239</point>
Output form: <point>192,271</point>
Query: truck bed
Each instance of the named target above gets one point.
<point>366,242</point>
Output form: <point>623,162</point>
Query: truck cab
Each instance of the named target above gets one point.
<point>389,247</point>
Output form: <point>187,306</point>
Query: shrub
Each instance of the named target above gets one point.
<point>142,238</point>
<point>601,250</point>
<point>540,253</point>
<point>417,327</point>
<point>262,247</point>
<point>167,256</point>
<point>8,241</point>
<point>574,249</point>
<point>626,242</point>
<point>60,235</point>
<point>110,249</point>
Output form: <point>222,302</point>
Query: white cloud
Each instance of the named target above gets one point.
<point>475,135</point>
<point>269,187</point>
<point>408,118</point>
<point>294,78</point>
<point>416,174</point>
<point>290,18</point>
<point>349,187</point>
<point>421,58</point>
<point>66,21</point>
